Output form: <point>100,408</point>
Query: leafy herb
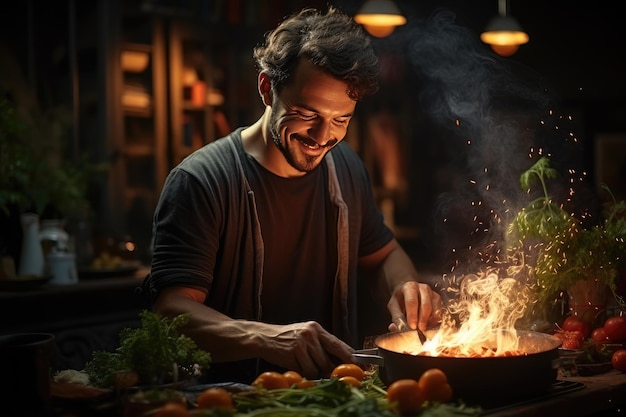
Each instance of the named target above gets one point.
<point>329,398</point>
<point>557,247</point>
<point>156,351</point>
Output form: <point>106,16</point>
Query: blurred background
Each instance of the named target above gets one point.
<point>115,93</point>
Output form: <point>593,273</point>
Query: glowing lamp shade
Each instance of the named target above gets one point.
<point>504,35</point>
<point>379,17</point>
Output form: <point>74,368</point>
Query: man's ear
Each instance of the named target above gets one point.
<point>265,88</point>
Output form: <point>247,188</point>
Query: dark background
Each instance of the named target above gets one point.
<point>566,85</point>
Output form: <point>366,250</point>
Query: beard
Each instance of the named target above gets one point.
<point>303,164</point>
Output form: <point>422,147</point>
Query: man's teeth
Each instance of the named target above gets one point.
<point>308,143</point>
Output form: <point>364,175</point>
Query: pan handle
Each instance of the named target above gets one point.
<point>368,357</point>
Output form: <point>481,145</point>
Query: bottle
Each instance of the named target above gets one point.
<point>31,258</point>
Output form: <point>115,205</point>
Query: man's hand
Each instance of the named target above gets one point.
<point>418,303</point>
<point>303,347</point>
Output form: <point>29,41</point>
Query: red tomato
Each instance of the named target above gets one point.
<point>573,323</point>
<point>570,343</point>
<point>615,328</point>
<point>599,336</point>
<point>619,360</point>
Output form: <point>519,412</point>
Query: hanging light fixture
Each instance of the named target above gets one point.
<point>503,33</point>
<point>380,17</point>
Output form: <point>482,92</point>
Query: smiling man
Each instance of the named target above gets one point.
<point>262,235</point>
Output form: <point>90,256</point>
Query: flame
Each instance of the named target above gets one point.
<point>481,319</point>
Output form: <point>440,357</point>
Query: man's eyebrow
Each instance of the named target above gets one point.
<point>311,109</point>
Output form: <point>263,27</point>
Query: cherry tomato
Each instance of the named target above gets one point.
<point>573,323</point>
<point>570,343</point>
<point>619,360</point>
<point>599,336</point>
<point>434,385</point>
<point>271,380</point>
<point>215,398</point>
<point>615,328</point>
<point>405,396</point>
<point>293,377</point>
<point>350,380</point>
<point>172,409</point>
<point>306,383</point>
<point>348,369</point>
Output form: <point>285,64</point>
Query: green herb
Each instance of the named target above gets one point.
<point>156,351</point>
<point>329,398</point>
<point>555,246</point>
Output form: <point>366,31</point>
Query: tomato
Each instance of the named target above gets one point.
<point>599,336</point>
<point>293,377</point>
<point>172,409</point>
<point>619,360</point>
<point>573,323</point>
<point>215,398</point>
<point>350,380</point>
<point>434,385</point>
<point>271,380</point>
<point>570,339</point>
<point>348,369</point>
<point>405,396</point>
<point>615,328</point>
<point>571,343</point>
<point>305,383</point>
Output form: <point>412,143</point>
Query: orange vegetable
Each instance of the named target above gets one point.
<point>271,380</point>
<point>348,369</point>
<point>215,398</point>
<point>350,380</point>
<point>434,386</point>
<point>405,397</point>
<point>293,377</point>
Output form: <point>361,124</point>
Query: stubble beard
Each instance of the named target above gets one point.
<point>308,164</point>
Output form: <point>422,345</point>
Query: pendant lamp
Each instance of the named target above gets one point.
<point>380,17</point>
<point>503,33</point>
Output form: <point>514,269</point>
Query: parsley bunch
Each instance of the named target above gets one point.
<point>156,351</point>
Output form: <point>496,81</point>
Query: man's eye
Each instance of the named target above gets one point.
<point>306,116</point>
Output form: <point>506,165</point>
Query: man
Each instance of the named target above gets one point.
<point>259,235</point>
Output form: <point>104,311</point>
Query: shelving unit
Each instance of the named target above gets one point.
<point>191,88</point>
<point>139,137</point>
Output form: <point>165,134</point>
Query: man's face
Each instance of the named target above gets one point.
<point>310,116</point>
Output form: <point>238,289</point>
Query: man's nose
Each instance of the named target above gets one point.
<point>320,132</point>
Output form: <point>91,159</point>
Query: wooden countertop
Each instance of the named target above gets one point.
<point>604,392</point>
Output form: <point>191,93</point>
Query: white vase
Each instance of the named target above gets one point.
<point>31,259</point>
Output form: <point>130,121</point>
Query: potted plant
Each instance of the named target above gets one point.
<point>35,171</point>
<point>561,252</point>
<point>38,178</point>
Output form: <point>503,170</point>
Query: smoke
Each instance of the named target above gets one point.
<point>493,116</point>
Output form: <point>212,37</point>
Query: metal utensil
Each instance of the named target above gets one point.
<point>402,325</point>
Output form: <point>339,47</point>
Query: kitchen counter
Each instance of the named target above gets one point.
<point>603,395</point>
<point>84,317</point>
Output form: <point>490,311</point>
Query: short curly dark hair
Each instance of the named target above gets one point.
<point>331,41</point>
